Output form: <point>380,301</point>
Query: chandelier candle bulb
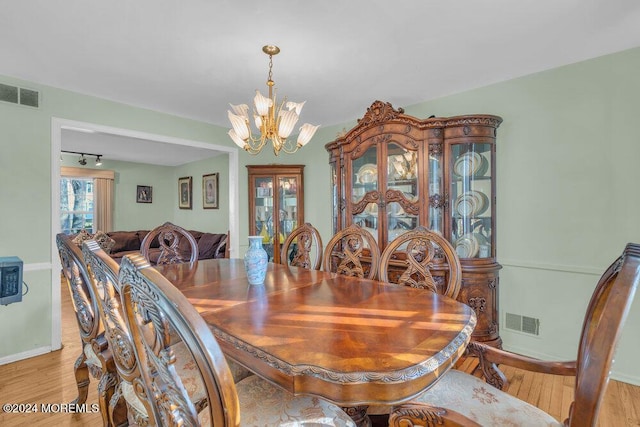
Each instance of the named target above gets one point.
<point>275,123</point>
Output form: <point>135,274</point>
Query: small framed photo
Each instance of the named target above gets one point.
<point>210,191</point>
<point>185,192</point>
<point>144,194</point>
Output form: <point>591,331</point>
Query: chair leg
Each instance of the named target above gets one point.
<point>81,372</point>
<point>118,409</point>
<point>106,388</point>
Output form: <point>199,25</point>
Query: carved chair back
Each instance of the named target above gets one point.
<point>303,244</point>
<point>423,259</point>
<point>94,359</point>
<point>169,236</point>
<point>103,276</point>
<point>82,298</point>
<point>348,248</point>
<point>606,313</point>
<point>155,310</point>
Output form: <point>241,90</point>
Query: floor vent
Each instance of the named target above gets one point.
<point>19,95</point>
<point>516,322</point>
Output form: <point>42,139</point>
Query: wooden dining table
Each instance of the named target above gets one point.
<point>355,342</point>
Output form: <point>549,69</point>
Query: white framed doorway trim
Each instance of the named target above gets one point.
<point>57,125</point>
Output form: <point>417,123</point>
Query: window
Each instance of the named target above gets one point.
<point>76,205</point>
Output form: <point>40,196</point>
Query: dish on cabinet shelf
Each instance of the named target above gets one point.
<point>367,173</point>
<point>471,203</point>
<point>468,245</point>
<point>471,164</point>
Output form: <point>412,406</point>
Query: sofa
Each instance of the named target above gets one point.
<point>120,243</point>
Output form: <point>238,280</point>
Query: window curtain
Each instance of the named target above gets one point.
<point>103,193</point>
<point>103,204</point>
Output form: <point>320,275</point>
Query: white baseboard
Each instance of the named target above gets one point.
<point>630,379</point>
<point>24,355</point>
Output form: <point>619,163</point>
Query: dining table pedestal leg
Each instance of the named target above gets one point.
<point>359,415</point>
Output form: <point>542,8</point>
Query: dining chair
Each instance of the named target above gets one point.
<point>93,361</point>
<point>422,258</point>
<point>464,399</point>
<point>169,236</point>
<point>303,244</point>
<point>155,310</point>
<point>348,248</point>
<point>125,405</point>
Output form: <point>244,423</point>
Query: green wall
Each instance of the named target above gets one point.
<point>567,176</point>
<point>25,188</point>
<point>198,218</point>
<point>566,173</point>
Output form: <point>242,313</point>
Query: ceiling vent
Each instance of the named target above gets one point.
<point>19,95</point>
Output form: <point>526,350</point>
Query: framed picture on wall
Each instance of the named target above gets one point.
<point>144,194</point>
<point>184,192</point>
<point>210,191</point>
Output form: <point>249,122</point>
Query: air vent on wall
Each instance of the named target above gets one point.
<point>516,322</point>
<point>19,95</point>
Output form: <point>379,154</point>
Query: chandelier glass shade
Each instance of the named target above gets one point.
<point>274,122</point>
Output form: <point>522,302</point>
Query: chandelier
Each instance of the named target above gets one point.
<point>275,123</point>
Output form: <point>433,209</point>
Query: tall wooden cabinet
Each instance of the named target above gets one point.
<point>276,204</point>
<point>393,172</point>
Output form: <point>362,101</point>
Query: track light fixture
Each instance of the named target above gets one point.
<point>83,160</point>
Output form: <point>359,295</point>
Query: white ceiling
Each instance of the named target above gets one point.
<point>192,58</point>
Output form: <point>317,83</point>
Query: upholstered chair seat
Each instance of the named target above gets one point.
<point>483,403</point>
<point>264,404</point>
<point>260,402</point>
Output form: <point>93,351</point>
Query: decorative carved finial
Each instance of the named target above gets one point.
<point>380,112</point>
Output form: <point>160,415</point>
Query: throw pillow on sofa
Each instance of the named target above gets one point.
<point>103,240</point>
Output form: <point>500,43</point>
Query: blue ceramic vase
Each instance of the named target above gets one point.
<point>255,261</point>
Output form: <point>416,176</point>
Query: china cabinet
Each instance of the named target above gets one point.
<point>276,204</point>
<point>393,172</point>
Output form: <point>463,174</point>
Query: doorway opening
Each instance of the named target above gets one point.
<point>60,127</point>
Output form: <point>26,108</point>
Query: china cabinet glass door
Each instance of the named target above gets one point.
<point>263,213</point>
<point>401,193</point>
<point>470,200</point>
<point>364,191</point>
<point>275,204</point>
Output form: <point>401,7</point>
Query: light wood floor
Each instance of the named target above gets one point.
<point>49,379</point>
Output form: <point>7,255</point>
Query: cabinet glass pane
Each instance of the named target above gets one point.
<point>402,171</point>
<point>365,174</point>
<point>435,192</point>
<point>368,219</point>
<point>264,213</point>
<point>334,198</point>
<point>470,200</point>
<point>288,215</point>
<point>398,221</point>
